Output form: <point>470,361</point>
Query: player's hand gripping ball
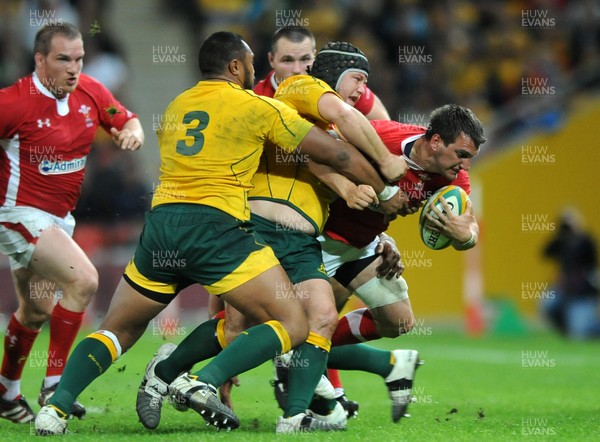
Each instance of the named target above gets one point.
<point>457,199</point>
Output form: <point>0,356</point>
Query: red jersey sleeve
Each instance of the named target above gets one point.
<point>365,102</point>
<point>111,113</point>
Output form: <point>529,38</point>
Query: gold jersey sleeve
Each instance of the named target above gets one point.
<point>302,92</point>
<point>283,177</point>
<point>211,138</point>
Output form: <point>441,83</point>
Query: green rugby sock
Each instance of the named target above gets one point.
<point>250,349</point>
<point>201,344</point>
<point>361,357</point>
<point>306,368</point>
<point>90,359</point>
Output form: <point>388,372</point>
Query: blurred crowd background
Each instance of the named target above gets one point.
<point>472,52</point>
<point>423,53</point>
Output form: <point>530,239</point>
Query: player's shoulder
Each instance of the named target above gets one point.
<point>259,104</point>
<point>22,87</point>
<point>302,84</point>
<point>17,98</point>
<point>267,104</point>
<point>87,82</point>
<point>91,87</point>
<point>396,126</point>
<point>385,125</point>
<point>395,131</point>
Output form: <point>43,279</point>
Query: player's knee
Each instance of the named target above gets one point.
<point>233,328</point>
<point>34,315</point>
<point>394,326</point>
<point>84,286</point>
<point>388,330</point>
<point>301,333</point>
<point>406,324</point>
<point>324,321</point>
<point>297,330</point>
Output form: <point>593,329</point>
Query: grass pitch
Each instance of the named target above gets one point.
<point>531,387</point>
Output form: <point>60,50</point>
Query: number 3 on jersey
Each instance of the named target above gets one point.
<point>195,132</point>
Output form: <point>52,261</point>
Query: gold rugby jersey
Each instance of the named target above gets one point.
<point>211,138</point>
<point>283,177</point>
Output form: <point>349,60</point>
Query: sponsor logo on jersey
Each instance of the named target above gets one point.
<point>48,167</point>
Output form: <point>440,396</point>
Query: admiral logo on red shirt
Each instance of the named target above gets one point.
<point>48,167</point>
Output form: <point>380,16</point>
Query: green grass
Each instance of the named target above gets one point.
<point>532,387</point>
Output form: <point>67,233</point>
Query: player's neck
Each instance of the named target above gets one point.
<point>418,153</point>
<point>225,79</point>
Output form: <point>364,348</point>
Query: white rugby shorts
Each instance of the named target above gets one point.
<point>377,292</point>
<point>336,253</point>
<point>20,228</point>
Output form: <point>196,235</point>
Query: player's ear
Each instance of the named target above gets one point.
<point>436,142</point>
<point>234,67</point>
<point>39,59</point>
<point>271,59</point>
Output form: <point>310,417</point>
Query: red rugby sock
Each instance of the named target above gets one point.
<point>355,327</point>
<point>334,378</point>
<point>64,326</point>
<point>18,341</point>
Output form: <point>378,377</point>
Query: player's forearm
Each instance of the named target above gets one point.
<point>360,171</point>
<point>359,132</point>
<point>334,180</point>
<point>343,157</point>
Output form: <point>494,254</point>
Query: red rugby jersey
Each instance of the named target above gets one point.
<point>359,227</point>
<point>45,141</point>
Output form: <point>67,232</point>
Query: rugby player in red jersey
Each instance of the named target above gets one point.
<point>48,121</point>
<point>438,155</point>
<point>292,52</point>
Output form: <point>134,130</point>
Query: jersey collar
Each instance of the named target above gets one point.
<point>274,82</point>
<point>407,146</point>
<point>62,104</point>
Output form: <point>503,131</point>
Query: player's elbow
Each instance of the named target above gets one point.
<point>345,116</point>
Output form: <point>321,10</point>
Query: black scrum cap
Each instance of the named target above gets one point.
<point>335,60</point>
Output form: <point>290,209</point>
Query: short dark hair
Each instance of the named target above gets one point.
<point>218,50</point>
<point>295,34</point>
<point>44,36</point>
<point>451,120</point>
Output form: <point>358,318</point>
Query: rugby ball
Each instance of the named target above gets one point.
<point>457,199</point>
